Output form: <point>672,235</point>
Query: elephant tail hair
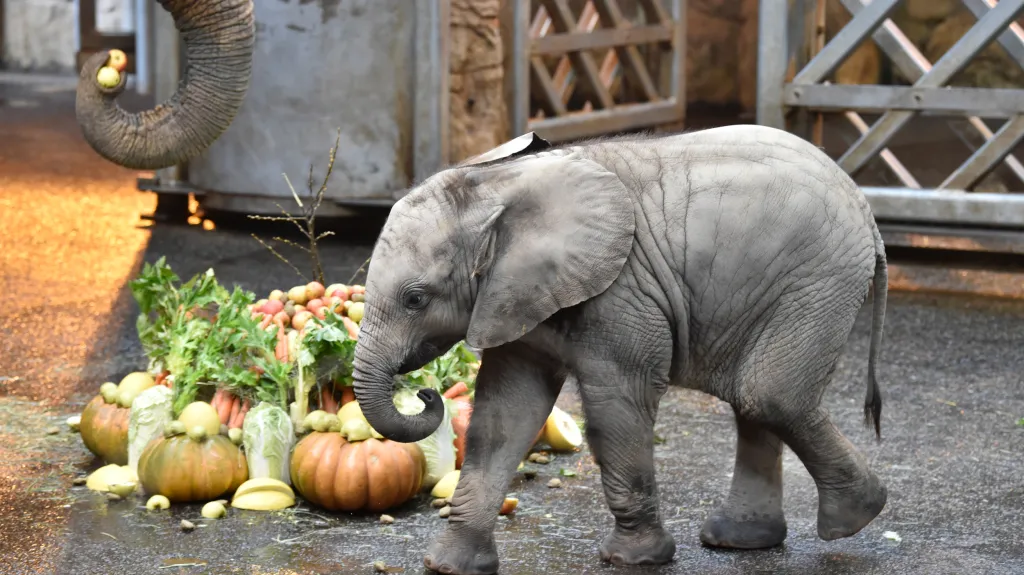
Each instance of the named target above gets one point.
<point>880,286</point>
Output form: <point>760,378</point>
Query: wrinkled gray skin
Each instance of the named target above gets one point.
<point>219,38</point>
<point>731,261</point>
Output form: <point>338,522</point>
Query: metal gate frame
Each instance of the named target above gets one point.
<point>553,30</point>
<point>952,202</point>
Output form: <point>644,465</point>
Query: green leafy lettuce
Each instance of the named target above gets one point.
<point>204,335</point>
<point>172,320</point>
<point>324,354</point>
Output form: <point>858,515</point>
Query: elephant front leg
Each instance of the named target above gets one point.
<point>751,517</point>
<point>514,396</point>
<point>620,431</point>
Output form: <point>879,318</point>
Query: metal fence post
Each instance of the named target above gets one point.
<point>771,62</point>
<point>431,97</point>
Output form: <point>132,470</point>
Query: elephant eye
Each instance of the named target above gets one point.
<point>414,299</point>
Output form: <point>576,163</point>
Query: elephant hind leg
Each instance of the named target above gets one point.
<point>850,495</point>
<point>791,367</point>
<point>751,517</point>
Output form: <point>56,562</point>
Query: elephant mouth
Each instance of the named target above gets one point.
<point>424,354</point>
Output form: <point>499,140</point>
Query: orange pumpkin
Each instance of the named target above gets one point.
<point>104,429</point>
<point>183,469</point>
<point>371,475</point>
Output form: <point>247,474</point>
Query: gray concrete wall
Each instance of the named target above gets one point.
<point>42,35</point>
<point>320,66</point>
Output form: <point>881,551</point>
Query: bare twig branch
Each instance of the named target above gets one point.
<point>295,219</point>
<point>306,223</point>
<point>286,241</point>
<point>275,218</point>
<point>278,255</point>
<point>292,188</point>
<point>362,268</point>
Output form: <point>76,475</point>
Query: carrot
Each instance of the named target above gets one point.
<point>460,388</point>
<point>159,380</point>
<point>460,425</point>
<point>347,394</point>
<point>351,326</point>
<point>236,406</point>
<point>216,398</point>
<point>327,402</point>
<point>224,408</point>
<point>265,322</point>
<point>239,418</point>
<point>281,352</point>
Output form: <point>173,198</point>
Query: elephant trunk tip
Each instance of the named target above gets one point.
<point>395,426</point>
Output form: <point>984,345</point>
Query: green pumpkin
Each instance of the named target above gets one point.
<point>183,469</point>
<point>104,429</point>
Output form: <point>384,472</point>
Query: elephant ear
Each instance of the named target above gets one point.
<point>525,144</point>
<point>560,234</point>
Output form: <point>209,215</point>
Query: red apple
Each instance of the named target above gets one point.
<point>118,60</point>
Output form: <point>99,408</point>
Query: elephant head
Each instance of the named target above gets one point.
<point>485,252</point>
<point>219,37</point>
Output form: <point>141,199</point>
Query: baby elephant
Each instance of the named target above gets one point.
<point>732,261</point>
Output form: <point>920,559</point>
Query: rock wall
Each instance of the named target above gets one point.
<point>478,116</point>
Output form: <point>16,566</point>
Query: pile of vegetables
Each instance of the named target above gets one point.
<point>252,399</point>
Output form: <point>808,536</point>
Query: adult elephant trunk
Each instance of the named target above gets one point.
<point>374,369</point>
<point>219,37</point>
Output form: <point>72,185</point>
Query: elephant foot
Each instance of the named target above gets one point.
<point>844,512</point>
<point>746,531</point>
<point>653,546</point>
<point>462,554</point>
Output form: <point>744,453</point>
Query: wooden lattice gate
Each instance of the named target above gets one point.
<point>953,201</point>
<point>582,69</point>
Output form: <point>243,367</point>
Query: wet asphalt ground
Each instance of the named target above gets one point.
<point>952,376</point>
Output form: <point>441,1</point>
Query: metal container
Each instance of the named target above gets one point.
<point>375,70</point>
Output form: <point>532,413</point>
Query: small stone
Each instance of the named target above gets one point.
<point>555,483</point>
<point>445,512</point>
<point>187,525</point>
<point>52,430</point>
<point>380,567</point>
<point>529,473</point>
<point>79,481</point>
<point>387,519</point>
<point>113,496</point>
<point>438,503</point>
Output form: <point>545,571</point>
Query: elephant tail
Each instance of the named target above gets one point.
<point>880,285</point>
